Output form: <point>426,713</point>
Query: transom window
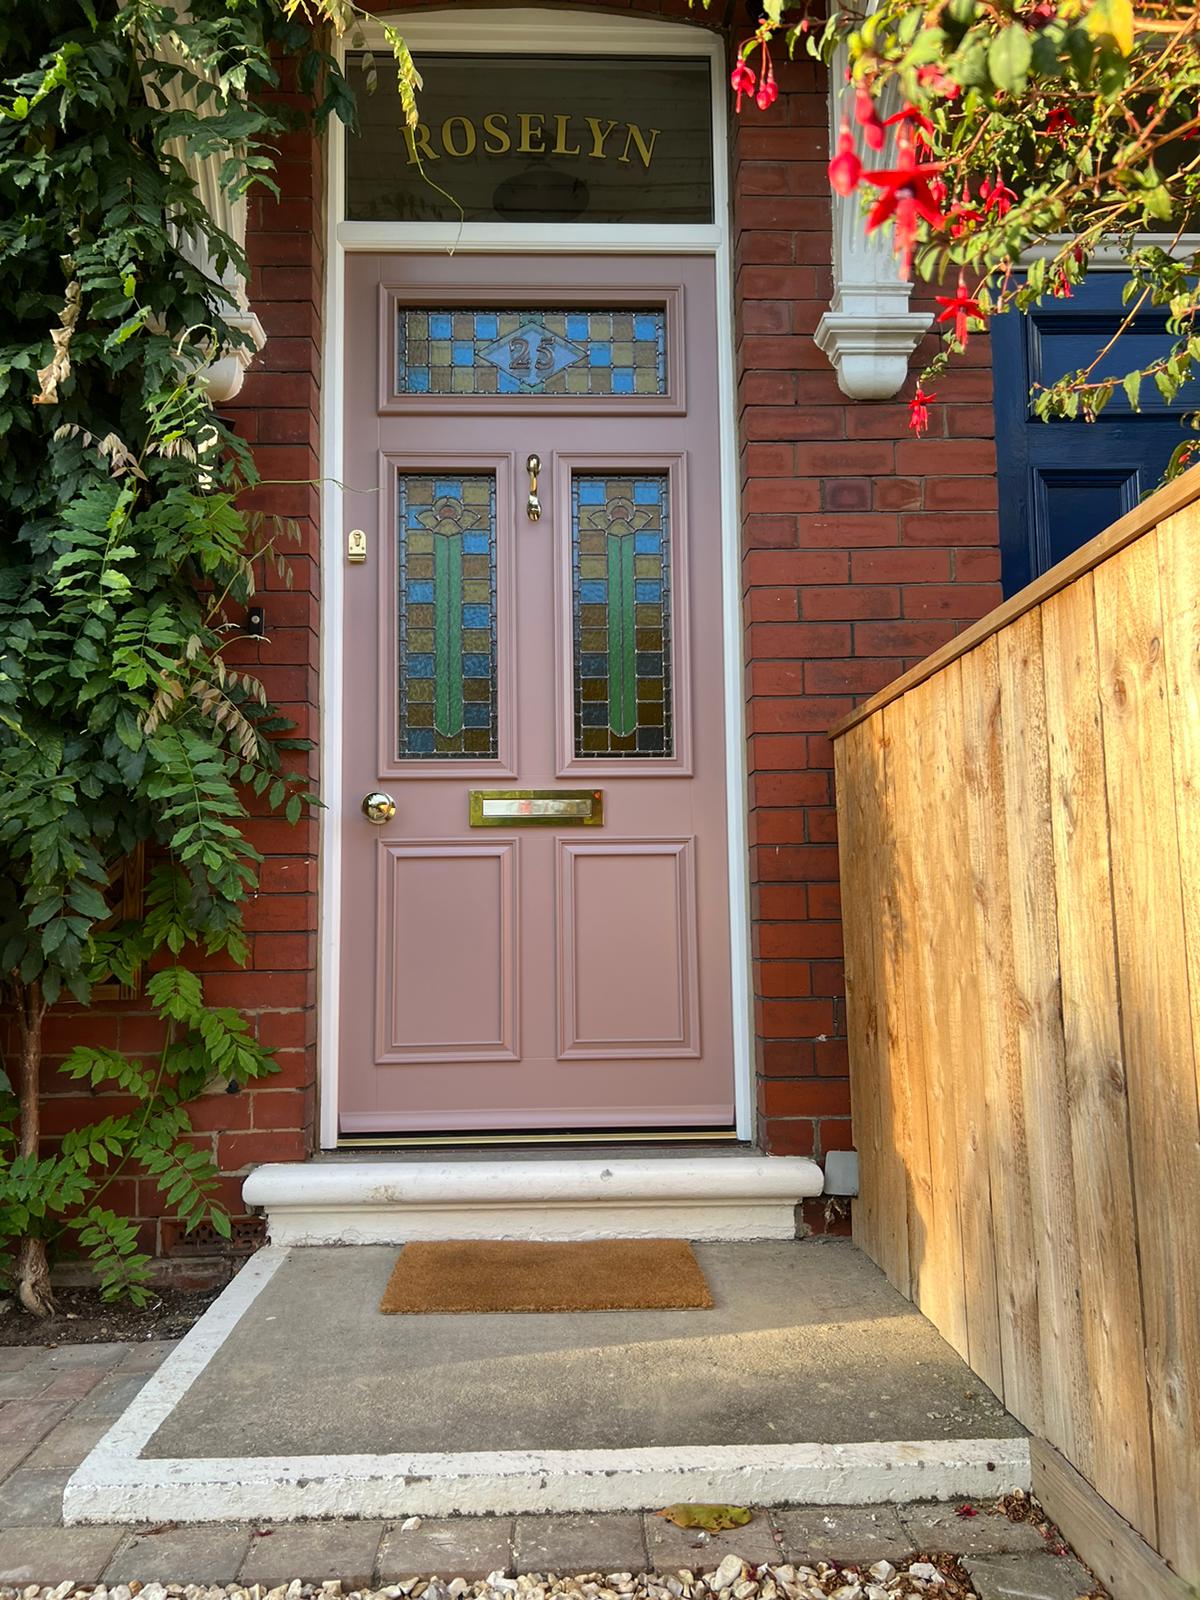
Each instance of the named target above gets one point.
<point>536,139</point>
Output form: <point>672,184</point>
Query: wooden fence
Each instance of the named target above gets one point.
<point>1019,820</point>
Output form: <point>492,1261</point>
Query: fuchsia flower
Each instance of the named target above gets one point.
<point>1059,119</point>
<point>918,411</point>
<point>768,93</point>
<point>960,306</point>
<point>934,79</point>
<point>742,80</point>
<point>868,119</point>
<point>845,170</point>
<point>996,196</point>
<point>906,198</point>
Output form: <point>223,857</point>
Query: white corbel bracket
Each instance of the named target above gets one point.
<point>869,339</point>
<point>223,378</point>
<point>868,333</point>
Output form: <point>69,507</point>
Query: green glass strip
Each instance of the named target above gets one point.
<point>622,636</point>
<point>447,640</point>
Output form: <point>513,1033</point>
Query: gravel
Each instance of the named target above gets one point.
<point>940,1577</point>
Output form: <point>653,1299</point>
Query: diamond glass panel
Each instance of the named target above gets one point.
<point>446,558</point>
<point>621,604</point>
<point>566,352</point>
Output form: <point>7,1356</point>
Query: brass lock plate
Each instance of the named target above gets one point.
<point>356,545</point>
<point>533,808</point>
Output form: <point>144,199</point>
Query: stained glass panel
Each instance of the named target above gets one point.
<point>471,351</point>
<point>621,590</point>
<point>447,613</point>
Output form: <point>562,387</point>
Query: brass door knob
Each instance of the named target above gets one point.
<point>378,807</point>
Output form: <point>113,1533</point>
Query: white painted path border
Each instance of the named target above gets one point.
<point>117,1484</point>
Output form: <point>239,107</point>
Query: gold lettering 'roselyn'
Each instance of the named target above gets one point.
<point>533,133</point>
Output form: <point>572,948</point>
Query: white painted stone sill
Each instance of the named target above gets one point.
<point>390,1202</point>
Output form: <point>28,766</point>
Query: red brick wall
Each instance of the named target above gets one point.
<point>864,549</point>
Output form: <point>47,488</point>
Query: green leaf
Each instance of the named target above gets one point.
<point>1132,385</point>
<point>1009,57</point>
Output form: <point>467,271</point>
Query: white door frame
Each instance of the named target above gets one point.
<point>529,32</point>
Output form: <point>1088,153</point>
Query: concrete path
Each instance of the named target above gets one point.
<point>54,1404</point>
<point>805,1342</point>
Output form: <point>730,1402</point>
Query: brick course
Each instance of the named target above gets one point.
<point>863,549</point>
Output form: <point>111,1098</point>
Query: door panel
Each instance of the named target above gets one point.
<point>533,976</point>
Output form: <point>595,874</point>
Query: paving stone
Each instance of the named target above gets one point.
<point>841,1533</point>
<point>11,1457</point>
<point>32,1499</point>
<point>210,1553</point>
<point>27,1421</point>
<point>89,1355</point>
<point>66,1445</point>
<point>448,1547</point>
<point>14,1357</point>
<point>937,1526</point>
<point>148,1356</point>
<point>26,1382</point>
<point>610,1542</point>
<point>1029,1577</point>
<point>52,1555</point>
<point>314,1552</point>
<point>111,1397</point>
<point>668,1547</point>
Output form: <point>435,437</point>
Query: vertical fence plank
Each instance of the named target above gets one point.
<point>1152,701</point>
<point>877,1035</point>
<point>1025,755</point>
<point>926,1271</point>
<point>929,946</point>
<point>986,847</point>
<point>1095,1067</point>
<point>860,819</point>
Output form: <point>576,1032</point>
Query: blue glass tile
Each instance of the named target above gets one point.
<point>487,325</point>
<point>447,489</point>
<point>646,327</point>
<point>419,666</point>
<point>648,592</point>
<point>419,741</point>
<point>622,380</point>
<point>647,544</point>
<point>592,493</point>
<point>474,616</point>
<point>647,494</point>
<point>579,325</point>
<point>477,544</point>
<point>477,714</point>
<point>600,355</point>
<point>593,666</point>
<point>475,666</point>
<point>420,592</point>
<point>593,592</point>
<point>441,324</point>
<point>463,353</point>
<point>418,380</point>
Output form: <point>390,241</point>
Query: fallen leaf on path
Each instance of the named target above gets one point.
<point>711,1517</point>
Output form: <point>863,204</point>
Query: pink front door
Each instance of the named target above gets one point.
<point>538,938</point>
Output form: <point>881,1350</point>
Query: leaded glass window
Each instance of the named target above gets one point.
<point>447,616</point>
<point>621,604</point>
<point>473,351</point>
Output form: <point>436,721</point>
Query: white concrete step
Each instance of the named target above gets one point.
<point>634,1197</point>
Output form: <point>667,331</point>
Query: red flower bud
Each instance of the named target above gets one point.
<point>918,411</point>
<point>768,92</point>
<point>868,118</point>
<point>845,169</point>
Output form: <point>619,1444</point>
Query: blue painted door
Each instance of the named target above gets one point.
<point>1063,482</point>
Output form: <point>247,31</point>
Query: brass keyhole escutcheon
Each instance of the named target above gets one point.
<point>378,807</point>
<point>533,505</point>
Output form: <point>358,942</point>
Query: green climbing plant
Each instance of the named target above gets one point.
<point>125,552</point>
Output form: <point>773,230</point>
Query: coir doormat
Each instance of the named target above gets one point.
<point>527,1275</point>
